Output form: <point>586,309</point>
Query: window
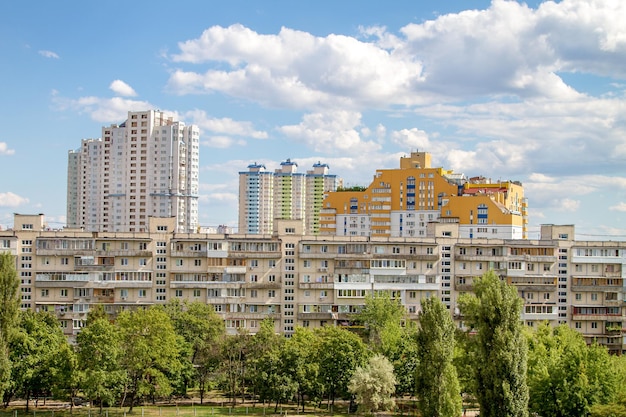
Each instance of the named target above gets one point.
<point>65,261</point>
<point>123,294</point>
<point>45,292</point>
<point>141,293</point>
<point>307,263</point>
<point>594,296</point>
<point>578,325</point>
<point>271,293</point>
<point>578,296</point>
<point>594,324</point>
<point>179,262</point>
<point>124,261</point>
<point>143,262</point>
<point>63,292</point>
<point>197,262</point>
<point>179,293</point>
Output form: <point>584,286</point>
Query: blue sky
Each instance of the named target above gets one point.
<point>530,91</point>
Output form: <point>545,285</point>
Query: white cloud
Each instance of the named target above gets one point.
<point>331,132</point>
<point>411,139</point>
<point>103,110</point>
<point>10,199</point>
<point>48,54</point>
<point>221,142</point>
<point>224,125</point>
<point>4,149</point>
<point>621,206</point>
<point>567,204</point>
<point>120,88</point>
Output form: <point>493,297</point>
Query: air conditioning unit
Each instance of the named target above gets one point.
<point>124,298</point>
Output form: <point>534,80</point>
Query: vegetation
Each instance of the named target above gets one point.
<point>173,350</point>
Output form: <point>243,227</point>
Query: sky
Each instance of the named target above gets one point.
<point>533,92</point>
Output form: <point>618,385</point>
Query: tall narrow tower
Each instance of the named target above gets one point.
<point>147,166</point>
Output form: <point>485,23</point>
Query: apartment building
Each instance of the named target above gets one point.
<point>401,202</point>
<point>314,280</point>
<point>285,193</point>
<point>146,166</point>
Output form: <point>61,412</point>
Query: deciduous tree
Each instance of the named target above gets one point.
<point>149,353</point>
<point>374,384</point>
<point>499,348</point>
<point>437,385</point>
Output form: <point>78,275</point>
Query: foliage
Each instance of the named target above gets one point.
<point>565,376</point>
<point>199,327</point>
<point>383,317</point>
<point>437,384</point>
<point>98,351</point>
<point>499,348</point>
<point>9,307</point>
<point>374,385</point>
<point>149,352</point>
<point>299,360</point>
<point>35,349</point>
<point>340,353</point>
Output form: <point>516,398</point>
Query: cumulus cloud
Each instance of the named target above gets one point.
<point>225,125</point>
<point>4,149</point>
<point>100,109</point>
<point>221,142</point>
<point>10,199</point>
<point>618,207</point>
<point>331,132</point>
<point>120,88</point>
<point>48,54</point>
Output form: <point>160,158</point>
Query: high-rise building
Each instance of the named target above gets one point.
<point>146,166</point>
<point>265,196</point>
<point>401,202</point>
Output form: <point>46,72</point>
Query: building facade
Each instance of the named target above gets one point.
<point>401,202</point>
<point>265,196</point>
<point>147,166</point>
<point>312,280</point>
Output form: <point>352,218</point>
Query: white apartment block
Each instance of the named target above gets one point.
<point>266,196</point>
<point>147,166</point>
<point>310,280</point>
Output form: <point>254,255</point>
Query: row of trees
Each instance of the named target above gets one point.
<point>162,351</point>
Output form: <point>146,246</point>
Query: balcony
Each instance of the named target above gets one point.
<point>315,316</point>
<point>188,254</point>
<point>316,285</point>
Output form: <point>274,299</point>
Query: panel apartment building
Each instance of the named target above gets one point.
<point>401,202</point>
<point>313,280</point>
<point>146,166</point>
<point>265,196</point>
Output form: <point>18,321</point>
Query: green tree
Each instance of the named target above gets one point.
<point>149,353</point>
<point>565,376</point>
<point>374,384</point>
<point>299,358</point>
<point>199,327</point>
<point>383,318</point>
<point>234,353</point>
<point>437,387</point>
<point>36,354</point>
<point>9,307</point>
<point>499,349</point>
<point>340,353</point>
<point>98,352</point>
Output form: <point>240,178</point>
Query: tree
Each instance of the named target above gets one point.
<point>374,384</point>
<point>199,328</point>
<point>437,385</point>
<point>234,352</point>
<point>149,353</point>
<point>98,352</point>
<point>9,307</point>
<point>340,353</point>
<point>35,349</point>
<point>299,358</point>
<point>383,317</point>
<point>499,348</point>
<point>565,376</point>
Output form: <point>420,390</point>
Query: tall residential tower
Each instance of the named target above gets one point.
<point>265,196</point>
<point>147,166</point>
